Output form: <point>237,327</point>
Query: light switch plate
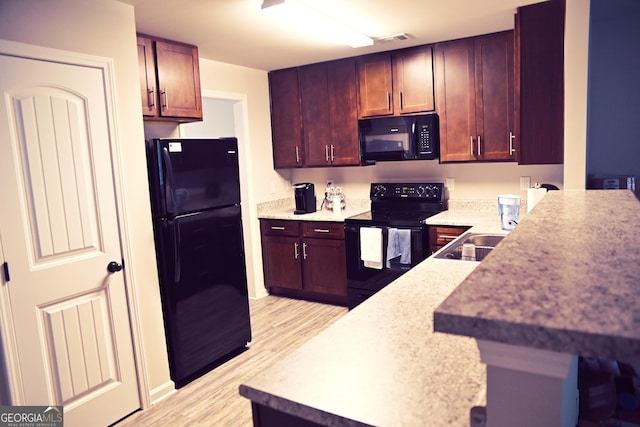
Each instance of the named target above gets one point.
<point>525,182</point>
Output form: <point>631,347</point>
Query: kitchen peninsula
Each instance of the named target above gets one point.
<point>563,281</point>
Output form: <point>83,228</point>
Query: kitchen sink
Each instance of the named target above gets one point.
<point>484,244</point>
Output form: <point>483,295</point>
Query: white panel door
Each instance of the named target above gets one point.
<point>69,320</point>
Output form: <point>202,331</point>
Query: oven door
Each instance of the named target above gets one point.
<point>362,282</point>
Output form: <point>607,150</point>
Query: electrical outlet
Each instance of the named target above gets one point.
<point>450,183</point>
<point>272,188</point>
<point>525,182</point>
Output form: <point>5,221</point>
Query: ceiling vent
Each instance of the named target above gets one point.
<point>394,38</point>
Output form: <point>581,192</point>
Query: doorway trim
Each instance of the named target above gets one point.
<point>9,367</point>
<point>251,229</point>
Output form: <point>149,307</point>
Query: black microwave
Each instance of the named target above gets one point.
<point>399,138</point>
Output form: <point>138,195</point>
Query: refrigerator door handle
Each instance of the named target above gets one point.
<point>176,256</point>
<point>168,183</point>
<point>173,230</point>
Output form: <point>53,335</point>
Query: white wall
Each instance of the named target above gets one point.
<point>473,181</point>
<point>248,91</point>
<point>107,29</point>
<point>217,120</point>
<point>576,63</point>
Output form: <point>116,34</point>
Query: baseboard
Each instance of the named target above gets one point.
<point>162,392</point>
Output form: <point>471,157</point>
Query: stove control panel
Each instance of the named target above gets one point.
<point>396,190</point>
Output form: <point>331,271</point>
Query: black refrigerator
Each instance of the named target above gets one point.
<point>195,201</point>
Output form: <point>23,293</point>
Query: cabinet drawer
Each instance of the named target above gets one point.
<point>279,227</point>
<point>326,230</point>
<point>441,236</point>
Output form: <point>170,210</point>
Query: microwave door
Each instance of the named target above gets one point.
<point>386,146</point>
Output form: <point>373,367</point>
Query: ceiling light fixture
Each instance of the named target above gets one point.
<point>315,22</point>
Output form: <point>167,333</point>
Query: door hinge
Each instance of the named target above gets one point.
<point>5,271</point>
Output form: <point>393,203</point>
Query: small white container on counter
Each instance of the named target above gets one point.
<point>509,211</point>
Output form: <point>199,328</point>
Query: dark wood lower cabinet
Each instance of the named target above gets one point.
<point>442,235</point>
<point>264,416</point>
<point>305,259</point>
<point>281,261</point>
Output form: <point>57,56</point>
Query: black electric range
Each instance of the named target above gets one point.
<point>398,210</point>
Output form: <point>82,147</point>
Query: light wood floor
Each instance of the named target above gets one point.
<point>279,325</point>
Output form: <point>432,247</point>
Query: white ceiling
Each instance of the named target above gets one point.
<point>236,32</point>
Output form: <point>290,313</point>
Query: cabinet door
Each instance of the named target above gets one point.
<point>147,72</point>
<point>344,149</point>
<point>286,120</point>
<point>178,80</point>
<point>541,64</point>
<point>456,100</point>
<point>375,88</point>
<point>324,266</point>
<point>281,257</point>
<point>494,96</point>
<point>314,101</point>
<point>413,80</point>
<point>329,113</point>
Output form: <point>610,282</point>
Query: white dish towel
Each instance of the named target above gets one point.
<point>371,247</point>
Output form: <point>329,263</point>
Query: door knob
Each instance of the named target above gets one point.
<point>113,267</point>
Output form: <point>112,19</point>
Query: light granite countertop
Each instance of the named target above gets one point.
<point>283,209</point>
<point>381,364</point>
<point>567,279</point>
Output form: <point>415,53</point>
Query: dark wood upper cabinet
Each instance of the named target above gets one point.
<point>375,87</point>
<point>286,119</point>
<point>329,113</point>
<point>343,110</point>
<point>169,80</point>
<point>495,96</point>
<point>147,74</point>
<point>314,100</point>
<point>499,97</point>
<point>314,115</point>
<point>476,98</point>
<point>413,80</point>
<point>396,83</point>
<point>540,59</point>
<point>456,99</point>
